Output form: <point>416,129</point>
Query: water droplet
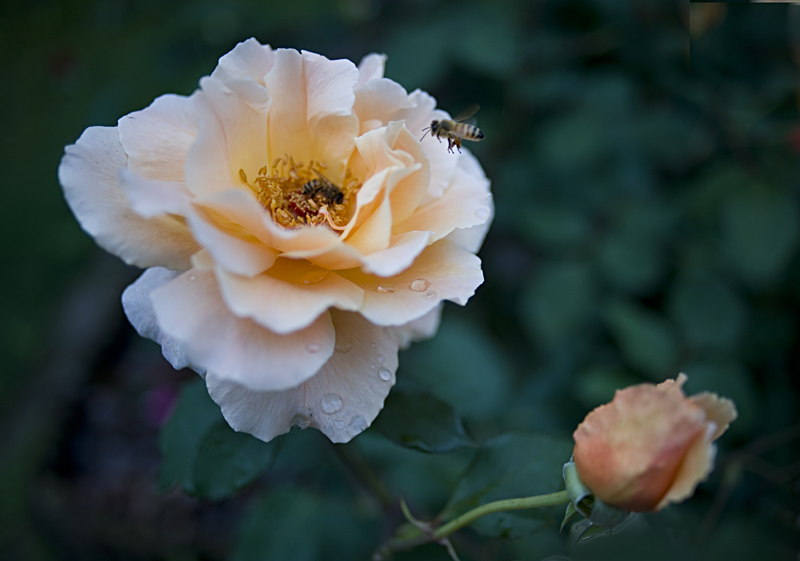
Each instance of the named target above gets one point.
<point>343,347</point>
<point>313,275</point>
<point>339,424</point>
<point>300,421</point>
<point>330,403</point>
<point>482,213</point>
<point>430,294</point>
<point>192,277</point>
<point>381,359</point>
<point>385,374</point>
<point>386,289</point>
<point>372,366</point>
<point>312,348</point>
<point>420,285</point>
<point>357,424</point>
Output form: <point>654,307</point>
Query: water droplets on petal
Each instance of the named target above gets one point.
<point>420,285</point>
<point>330,403</point>
<point>386,289</point>
<point>482,213</point>
<point>300,421</point>
<point>385,374</point>
<point>430,294</point>
<point>357,424</point>
<point>381,359</point>
<point>312,348</point>
<point>343,347</point>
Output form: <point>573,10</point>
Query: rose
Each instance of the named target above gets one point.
<point>295,231</point>
<point>651,445</point>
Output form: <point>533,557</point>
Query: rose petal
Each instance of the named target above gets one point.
<point>149,197</point>
<point>628,452</point>
<point>232,137</point>
<point>311,116</point>
<point>190,309</point>
<point>290,296</point>
<point>233,247</point>
<point>418,329</point>
<point>341,400</point>
<point>370,68</point>
<point>89,174</point>
<point>443,271</point>
<point>696,467</point>
<point>400,254</point>
<point>248,59</point>
<point>720,411</point>
<point>157,139</point>
<point>139,309</point>
<point>465,203</point>
<point>378,101</point>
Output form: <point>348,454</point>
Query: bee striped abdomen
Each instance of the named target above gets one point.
<point>472,132</point>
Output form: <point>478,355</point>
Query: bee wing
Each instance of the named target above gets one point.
<point>467,113</point>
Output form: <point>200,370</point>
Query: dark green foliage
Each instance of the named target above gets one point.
<point>421,422</point>
<point>647,190</point>
<point>203,454</point>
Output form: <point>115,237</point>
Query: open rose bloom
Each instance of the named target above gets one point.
<point>651,445</point>
<point>295,231</point>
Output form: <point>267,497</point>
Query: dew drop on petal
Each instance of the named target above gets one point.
<point>430,294</point>
<point>343,347</point>
<point>357,424</point>
<point>482,213</point>
<point>312,348</point>
<point>313,275</point>
<point>339,424</point>
<point>300,421</point>
<point>385,374</point>
<point>386,289</point>
<point>330,403</point>
<point>192,277</point>
<point>420,285</point>
<point>372,366</point>
<point>381,359</point>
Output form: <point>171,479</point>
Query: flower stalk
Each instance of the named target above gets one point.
<point>409,536</point>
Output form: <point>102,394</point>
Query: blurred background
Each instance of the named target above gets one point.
<point>644,163</point>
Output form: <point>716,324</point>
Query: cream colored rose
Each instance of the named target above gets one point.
<point>651,445</point>
<point>295,231</point>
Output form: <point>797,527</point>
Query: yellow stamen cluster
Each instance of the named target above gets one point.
<point>279,189</point>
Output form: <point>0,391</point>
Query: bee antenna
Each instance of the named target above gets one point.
<point>426,129</point>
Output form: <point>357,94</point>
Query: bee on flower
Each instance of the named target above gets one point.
<point>267,209</point>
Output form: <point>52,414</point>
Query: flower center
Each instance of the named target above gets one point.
<point>297,195</point>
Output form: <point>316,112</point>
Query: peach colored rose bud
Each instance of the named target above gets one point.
<point>651,445</point>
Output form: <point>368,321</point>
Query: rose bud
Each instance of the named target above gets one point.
<point>651,445</point>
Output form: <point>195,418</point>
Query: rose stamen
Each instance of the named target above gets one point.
<point>279,189</point>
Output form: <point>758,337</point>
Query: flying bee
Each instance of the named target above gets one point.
<point>454,131</point>
<point>323,185</point>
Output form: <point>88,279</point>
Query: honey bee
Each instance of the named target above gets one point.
<point>323,185</point>
<point>454,131</point>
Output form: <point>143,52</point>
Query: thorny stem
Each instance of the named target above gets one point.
<point>415,536</point>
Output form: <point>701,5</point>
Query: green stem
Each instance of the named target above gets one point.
<point>469,517</point>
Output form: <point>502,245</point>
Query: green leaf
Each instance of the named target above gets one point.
<point>227,461</point>
<point>558,301</point>
<point>422,422</point>
<point>194,415</point>
<point>462,366</point>
<point>508,466</point>
<point>294,523</point>
<point>203,454</point>
<point>707,310</point>
<point>645,338</point>
<point>761,230</point>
